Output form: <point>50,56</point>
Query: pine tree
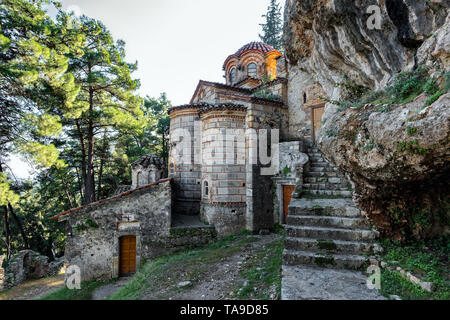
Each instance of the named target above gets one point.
<point>273,28</point>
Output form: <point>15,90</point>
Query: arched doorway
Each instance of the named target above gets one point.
<point>127,257</point>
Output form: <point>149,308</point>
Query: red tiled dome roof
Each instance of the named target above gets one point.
<point>260,46</point>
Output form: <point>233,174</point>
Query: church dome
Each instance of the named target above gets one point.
<point>259,46</point>
<point>252,46</point>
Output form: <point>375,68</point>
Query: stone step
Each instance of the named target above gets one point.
<point>332,246</point>
<point>325,186</point>
<point>335,261</point>
<point>327,233</point>
<point>330,174</point>
<point>328,221</point>
<point>342,193</point>
<point>324,207</point>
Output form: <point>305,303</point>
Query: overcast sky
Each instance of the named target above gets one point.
<point>176,42</point>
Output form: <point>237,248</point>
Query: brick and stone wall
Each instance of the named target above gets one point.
<point>224,170</point>
<point>94,232</point>
<point>262,115</point>
<point>186,173</point>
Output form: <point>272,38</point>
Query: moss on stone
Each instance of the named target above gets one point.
<point>324,260</point>
<point>327,245</point>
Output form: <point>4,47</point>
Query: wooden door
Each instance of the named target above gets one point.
<point>317,114</point>
<point>127,255</point>
<point>287,197</point>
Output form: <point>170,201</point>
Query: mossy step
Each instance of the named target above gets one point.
<point>334,261</point>
<point>324,207</point>
<point>326,186</point>
<point>328,221</point>
<point>344,193</point>
<point>333,246</point>
<point>331,233</point>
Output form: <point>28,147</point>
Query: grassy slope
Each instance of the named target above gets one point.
<point>169,270</point>
<point>427,260</point>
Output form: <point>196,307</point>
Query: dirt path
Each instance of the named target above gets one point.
<point>108,290</point>
<point>35,289</point>
<point>218,275</point>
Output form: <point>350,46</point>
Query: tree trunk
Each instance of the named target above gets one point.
<point>7,233</point>
<point>100,173</point>
<point>83,161</point>
<point>19,224</point>
<point>89,192</point>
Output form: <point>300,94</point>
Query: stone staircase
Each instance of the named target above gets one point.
<point>321,178</point>
<point>327,232</point>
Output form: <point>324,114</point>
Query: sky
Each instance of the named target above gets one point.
<point>175,42</point>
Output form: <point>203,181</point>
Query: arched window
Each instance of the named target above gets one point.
<point>305,98</point>
<point>233,75</point>
<point>206,189</point>
<point>252,70</point>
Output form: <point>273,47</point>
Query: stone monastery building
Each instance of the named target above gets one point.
<point>207,193</point>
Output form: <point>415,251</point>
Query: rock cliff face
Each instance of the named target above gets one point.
<point>332,38</point>
<point>396,154</point>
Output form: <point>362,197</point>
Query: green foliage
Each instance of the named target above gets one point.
<point>331,133</point>
<point>412,147</point>
<point>69,105</point>
<point>431,87</point>
<point>267,94</point>
<point>286,171</point>
<point>405,88</point>
<point>408,85</point>
<point>6,194</point>
<point>434,97</point>
<point>273,27</point>
<point>412,131</point>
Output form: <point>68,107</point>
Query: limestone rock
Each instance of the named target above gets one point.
<point>331,40</point>
<point>400,180</point>
<point>392,168</point>
<point>25,265</point>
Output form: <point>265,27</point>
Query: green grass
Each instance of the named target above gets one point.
<point>427,260</point>
<point>262,273</point>
<point>85,293</point>
<point>185,265</point>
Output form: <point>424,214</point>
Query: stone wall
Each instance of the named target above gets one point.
<point>227,218</point>
<point>223,153</point>
<point>262,115</point>
<point>186,168</point>
<point>94,232</point>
